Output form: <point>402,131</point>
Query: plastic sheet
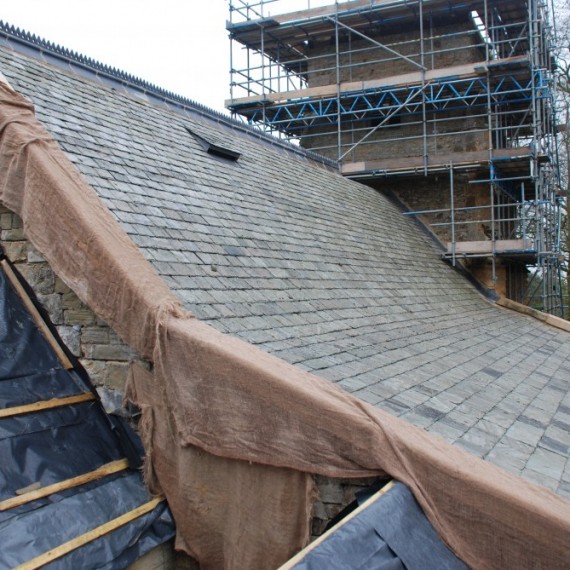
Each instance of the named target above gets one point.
<point>23,350</point>
<point>54,445</point>
<point>390,534</point>
<point>30,534</point>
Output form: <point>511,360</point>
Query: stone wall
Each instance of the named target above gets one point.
<point>453,41</point>
<point>334,496</point>
<point>433,193</point>
<point>103,354</point>
<point>402,137</point>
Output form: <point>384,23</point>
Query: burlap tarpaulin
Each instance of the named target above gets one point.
<point>232,434</point>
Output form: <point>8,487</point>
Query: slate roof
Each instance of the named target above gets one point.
<point>280,250</point>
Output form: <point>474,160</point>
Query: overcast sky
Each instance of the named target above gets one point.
<point>181,45</point>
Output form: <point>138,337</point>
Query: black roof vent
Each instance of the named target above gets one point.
<point>214,149</point>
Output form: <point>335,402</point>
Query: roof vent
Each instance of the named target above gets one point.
<point>214,149</point>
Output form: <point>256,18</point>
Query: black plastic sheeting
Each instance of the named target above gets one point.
<point>54,445</point>
<point>391,534</point>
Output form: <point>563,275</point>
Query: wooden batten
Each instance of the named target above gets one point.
<point>103,471</point>
<point>46,405</point>
<point>82,540</point>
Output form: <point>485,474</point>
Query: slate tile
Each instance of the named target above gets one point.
<point>532,422</point>
<point>510,453</point>
<point>563,489</point>
<point>540,479</point>
<point>429,412</point>
<point>446,431</point>
<point>547,463</point>
<point>554,445</point>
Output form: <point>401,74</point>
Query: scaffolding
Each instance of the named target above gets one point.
<point>401,90</point>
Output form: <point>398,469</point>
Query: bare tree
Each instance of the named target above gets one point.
<point>562,52</point>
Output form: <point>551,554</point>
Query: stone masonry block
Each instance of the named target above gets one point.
<point>17,222</point>
<point>331,510</point>
<point>330,491</point>
<point>112,400</point>
<point>61,287</point>
<point>114,338</point>
<point>334,495</point>
<point>15,234</point>
<point>52,304</point>
<point>6,221</point>
<point>115,352</point>
<point>35,256</point>
<point>318,526</point>
<point>319,511</point>
<point>71,300</point>
<point>116,375</point>
<point>78,316</point>
<point>95,369</point>
<point>16,251</point>
<point>95,335</point>
<point>39,276</point>
<point>71,335</point>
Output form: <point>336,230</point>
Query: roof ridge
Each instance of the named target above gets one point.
<point>158,93</point>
